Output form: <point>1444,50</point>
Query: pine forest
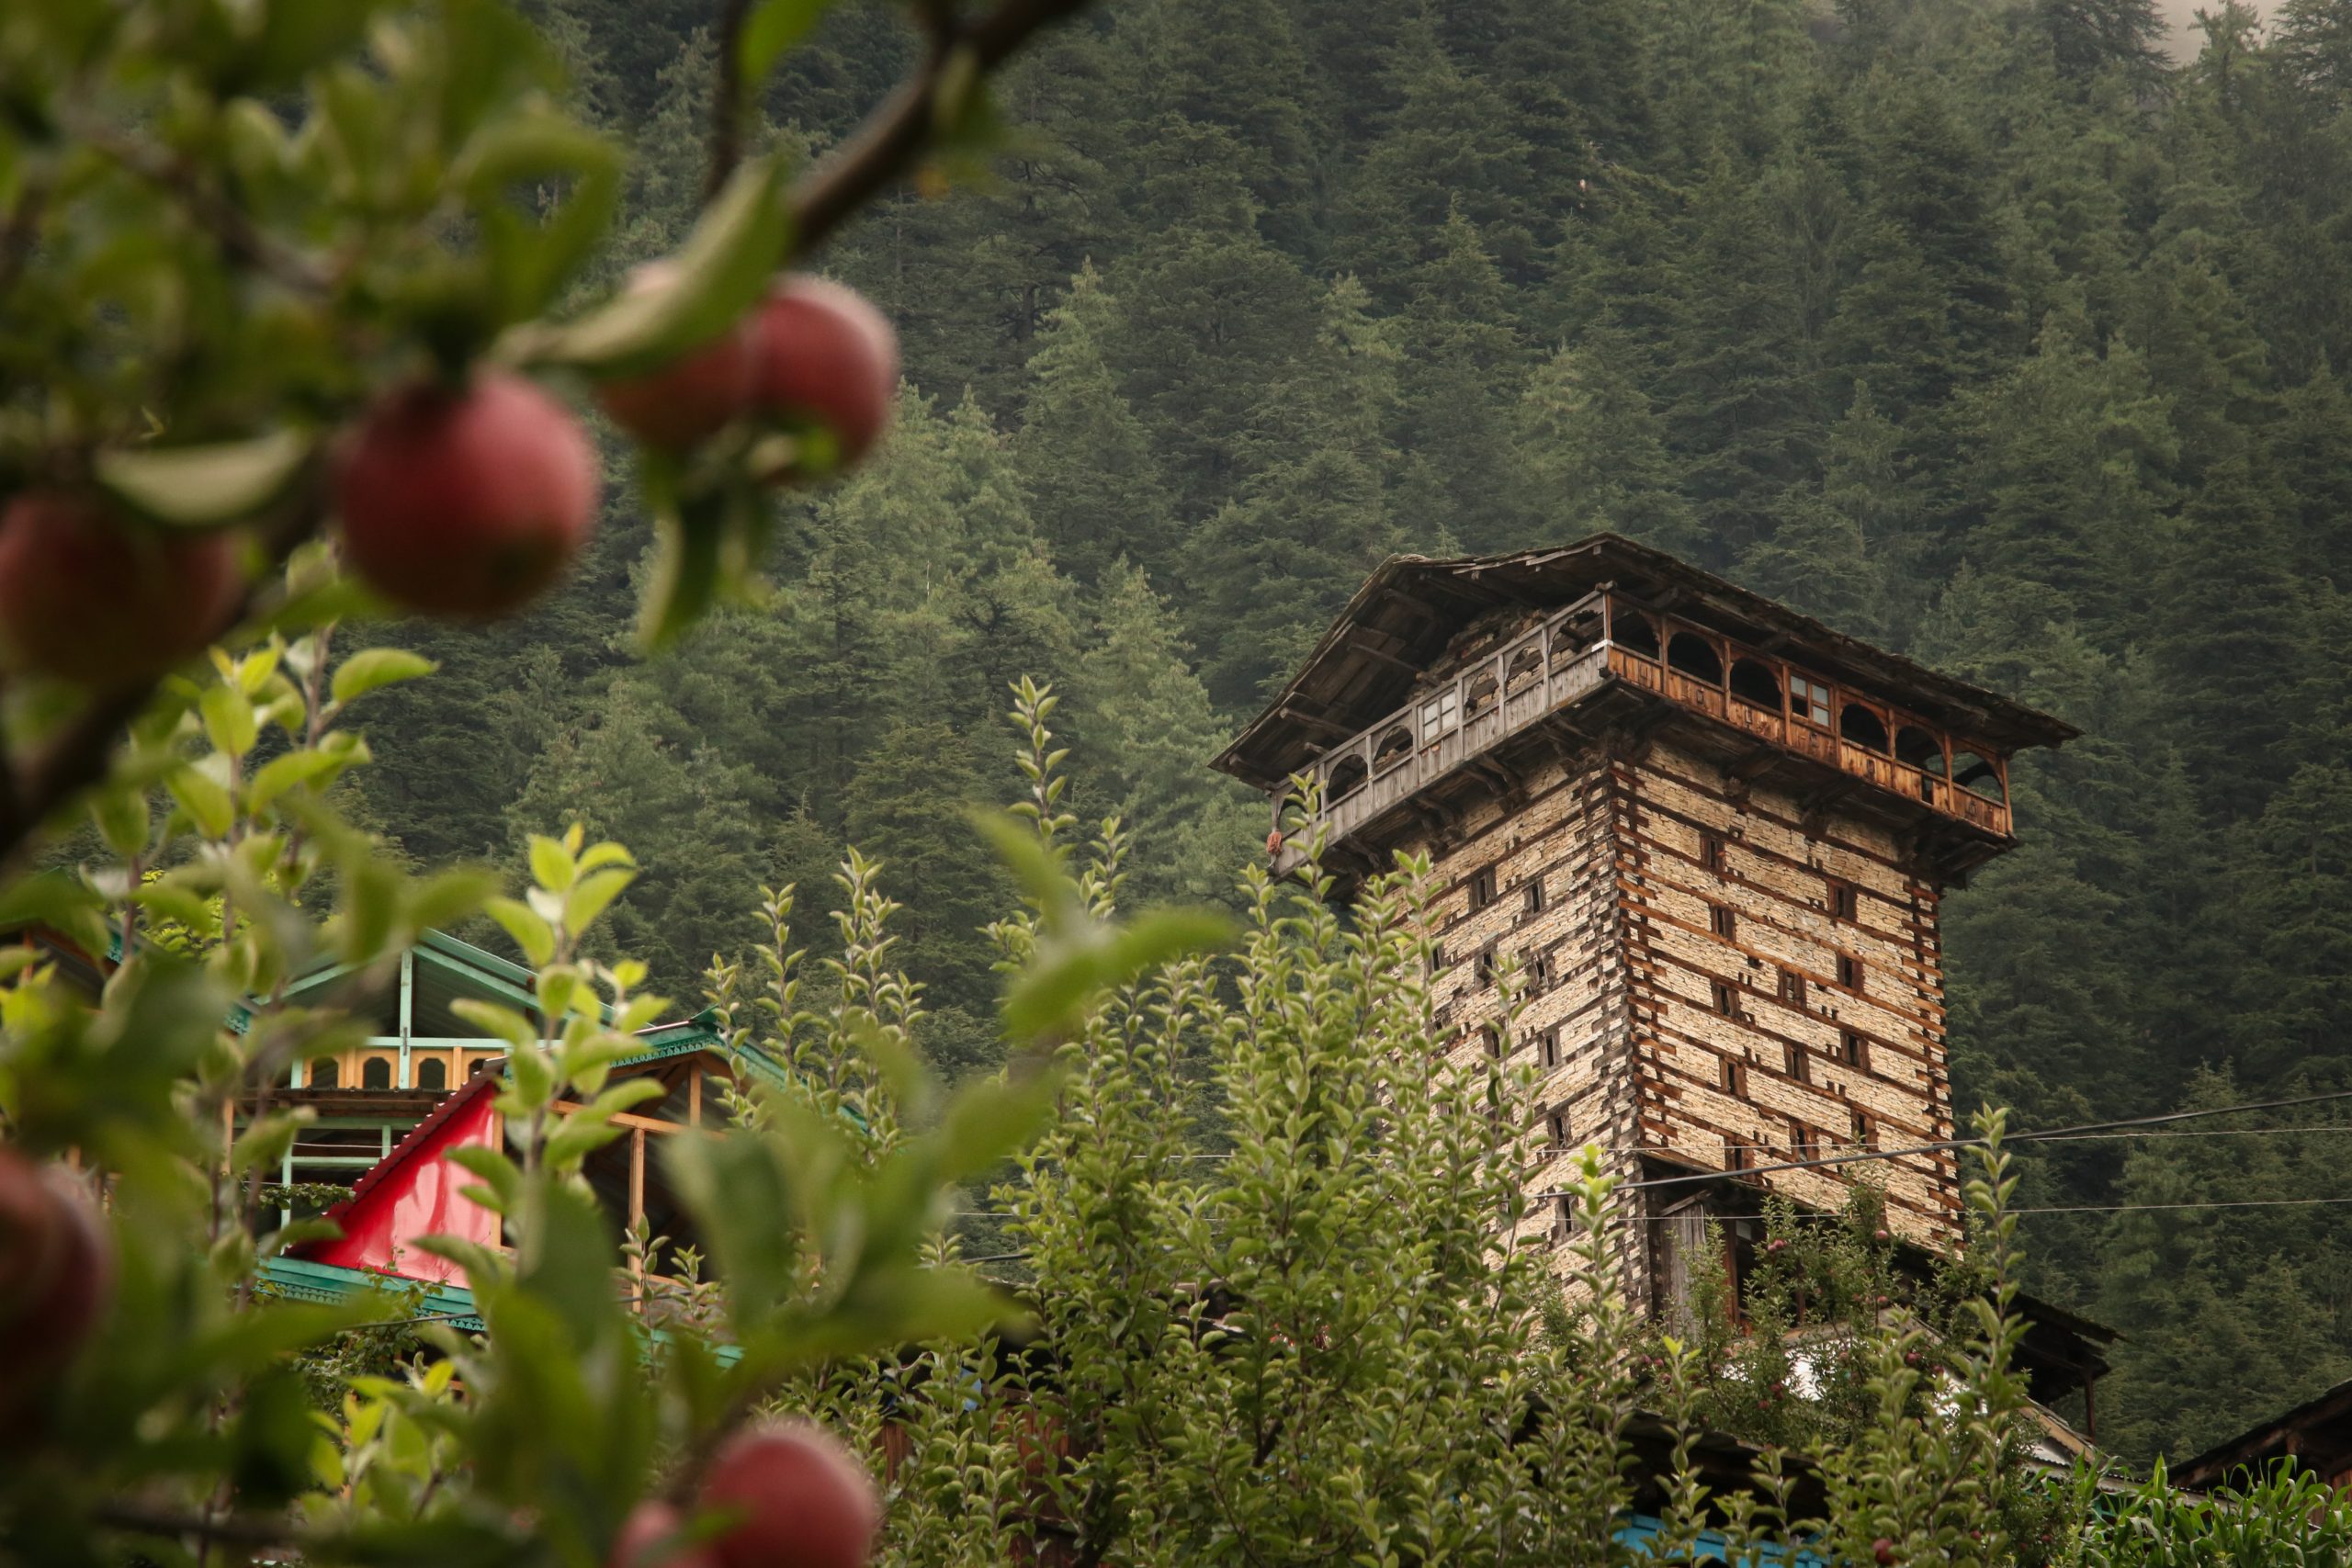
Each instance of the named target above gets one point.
<point>1986,331</point>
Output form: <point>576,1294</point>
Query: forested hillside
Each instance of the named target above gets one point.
<point>1973,326</point>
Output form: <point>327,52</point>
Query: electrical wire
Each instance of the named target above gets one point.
<point>1946,1145</point>
<point>2199,1203</point>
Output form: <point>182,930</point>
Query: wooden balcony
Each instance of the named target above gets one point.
<point>1554,666</point>
<point>1609,640</point>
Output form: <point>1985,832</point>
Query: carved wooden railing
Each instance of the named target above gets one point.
<point>1934,786</point>
<point>1556,664</point>
<point>1563,659</point>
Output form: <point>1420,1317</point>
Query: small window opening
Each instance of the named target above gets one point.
<point>1721,921</point>
<point>1695,656</point>
<point>1977,775</point>
<point>1920,749</point>
<point>482,1064</point>
<point>1756,683</point>
<point>1845,900</point>
<point>1849,972</point>
<point>326,1073</point>
<point>1711,851</point>
<point>1547,1047</point>
<point>1865,1131</point>
<point>1634,632</point>
<point>1533,893</point>
<point>1795,1060</point>
<point>1539,973</point>
<point>1556,1127</point>
<point>1735,1078</point>
<point>1726,998</point>
<point>1799,1140</point>
<point>1346,778</point>
<point>1439,716</point>
<point>1491,1033</point>
<point>1485,966</point>
<point>1482,695</point>
<point>1792,988</point>
<point>1564,1221</point>
<point>433,1073</point>
<point>1809,699</point>
<point>1482,887</point>
<point>1734,1155</point>
<point>1852,1049</point>
<point>1392,749</point>
<point>1863,727</point>
<point>376,1072</point>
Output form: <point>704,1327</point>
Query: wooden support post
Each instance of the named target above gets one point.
<point>637,1211</point>
<point>407,1079</point>
<point>636,1177</point>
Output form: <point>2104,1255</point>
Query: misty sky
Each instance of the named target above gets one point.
<point>2182,13</point>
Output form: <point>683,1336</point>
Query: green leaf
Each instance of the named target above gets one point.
<point>229,721</point>
<point>736,1189</point>
<point>591,896</point>
<point>552,864</point>
<point>371,668</point>
<point>61,900</point>
<point>449,897</point>
<point>495,1020</point>
<point>496,1169</point>
<point>774,27</point>
<point>204,798</point>
<point>530,931</point>
<point>989,1120</point>
<point>204,485</point>
<point>1156,936</point>
<point>297,37</point>
<point>173,901</point>
<point>689,541</point>
<point>121,814</point>
<point>531,255</point>
<point>722,270</point>
<point>280,775</point>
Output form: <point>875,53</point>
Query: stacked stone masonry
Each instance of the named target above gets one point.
<point>1689,933</point>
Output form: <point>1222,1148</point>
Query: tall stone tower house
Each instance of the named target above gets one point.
<point>1711,836</point>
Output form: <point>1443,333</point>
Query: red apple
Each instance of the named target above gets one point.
<point>466,498</point>
<point>91,596</point>
<point>794,1498</point>
<point>56,1274</point>
<point>691,398</point>
<point>827,355</point>
<point>650,1537</point>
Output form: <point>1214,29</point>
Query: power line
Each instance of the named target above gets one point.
<point>2073,1137</point>
<point>2052,1135</point>
<point>2199,1203</point>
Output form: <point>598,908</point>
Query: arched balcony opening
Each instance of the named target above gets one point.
<point>376,1072</point>
<point>1756,683</point>
<point>1484,693</point>
<point>1346,778</point>
<point>1392,749</point>
<point>433,1073</point>
<point>1978,776</point>
<point>1918,748</point>
<point>1634,632</point>
<point>1692,655</point>
<point>1525,665</point>
<point>325,1073</point>
<point>1861,725</point>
